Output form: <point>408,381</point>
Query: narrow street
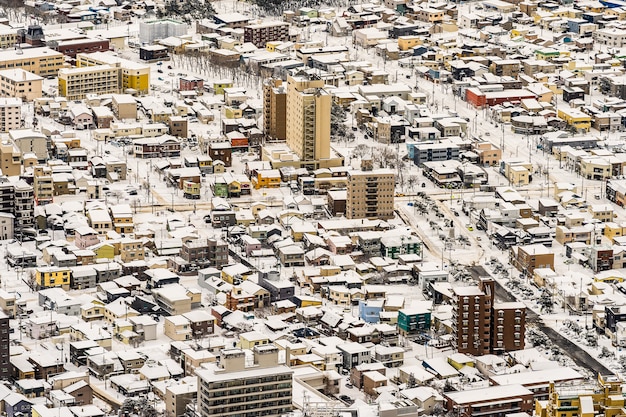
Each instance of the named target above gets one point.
<point>578,355</point>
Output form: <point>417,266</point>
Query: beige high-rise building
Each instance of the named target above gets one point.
<point>76,83</point>
<point>234,389</point>
<point>10,113</point>
<point>370,194</point>
<point>43,185</point>
<point>308,119</point>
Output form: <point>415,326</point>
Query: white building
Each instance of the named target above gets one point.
<point>160,29</point>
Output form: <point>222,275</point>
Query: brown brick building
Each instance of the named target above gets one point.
<point>274,109</point>
<point>265,32</point>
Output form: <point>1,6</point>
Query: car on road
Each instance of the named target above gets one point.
<point>470,227</point>
<point>349,385</point>
<point>346,399</point>
<point>456,213</point>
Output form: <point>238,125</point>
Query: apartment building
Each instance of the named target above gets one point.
<point>72,47</point>
<point>131,250</point>
<point>370,194</point>
<point>482,326</point>
<point>10,113</point>
<point>610,36</point>
<point>153,30</point>
<point>76,83</point>
<point>490,402</point>
<point>274,109</point>
<point>40,61</point>
<point>24,208</point>
<point>308,119</point>
<point>205,252</point>
<point>5,366</point>
<point>52,276</point>
<point>262,33</point>
<point>8,37</point>
<point>29,141</point>
<point>10,158</point>
<point>526,258</point>
<point>43,184</point>
<point>233,389</point>
<point>471,318</point>
<point>572,400</point>
<point>134,76</point>
<point>21,84</point>
<point>506,68</point>
<point>508,321</point>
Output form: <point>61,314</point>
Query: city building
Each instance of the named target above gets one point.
<point>262,33</point>
<point>40,61</point>
<point>10,113</point>
<point>370,194</point>
<point>153,30</point>
<point>308,119</point>
<point>19,83</point>
<point>10,157</point>
<point>490,402</point>
<point>135,77</point>
<point>274,109</point>
<point>234,389</point>
<point>414,321</point>
<point>77,83</point>
<point>31,141</point>
<point>578,400</point>
<point>43,184</point>
<point>205,252</point>
<point>72,47</point>
<point>526,258</point>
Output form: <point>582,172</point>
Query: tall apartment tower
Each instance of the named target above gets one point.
<point>5,366</point>
<point>246,390</point>
<point>10,113</point>
<point>483,326</point>
<point>274,109</point>
<point>370,193</point>
<point>308,118</point>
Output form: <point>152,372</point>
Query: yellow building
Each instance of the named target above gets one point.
<point>19,83</point>
<point>122,217</point>
<point>220,85</point>
<point>41,61</point>
<point>595,168</point>
<point>249,340</point>
<point>613,230</point>
<point>8,37</point>
<point>268,178</point>
<point>104,251</point>
<point>133,75</point>
<point>579,401</point>
<point>92,311</point>
<point>407,42</point>
<point>76,83</point>
<point>308,119</point>
<point>575,118</point>
<point>10,159</point>
<point>52,276</point>
<point>231,112</point>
